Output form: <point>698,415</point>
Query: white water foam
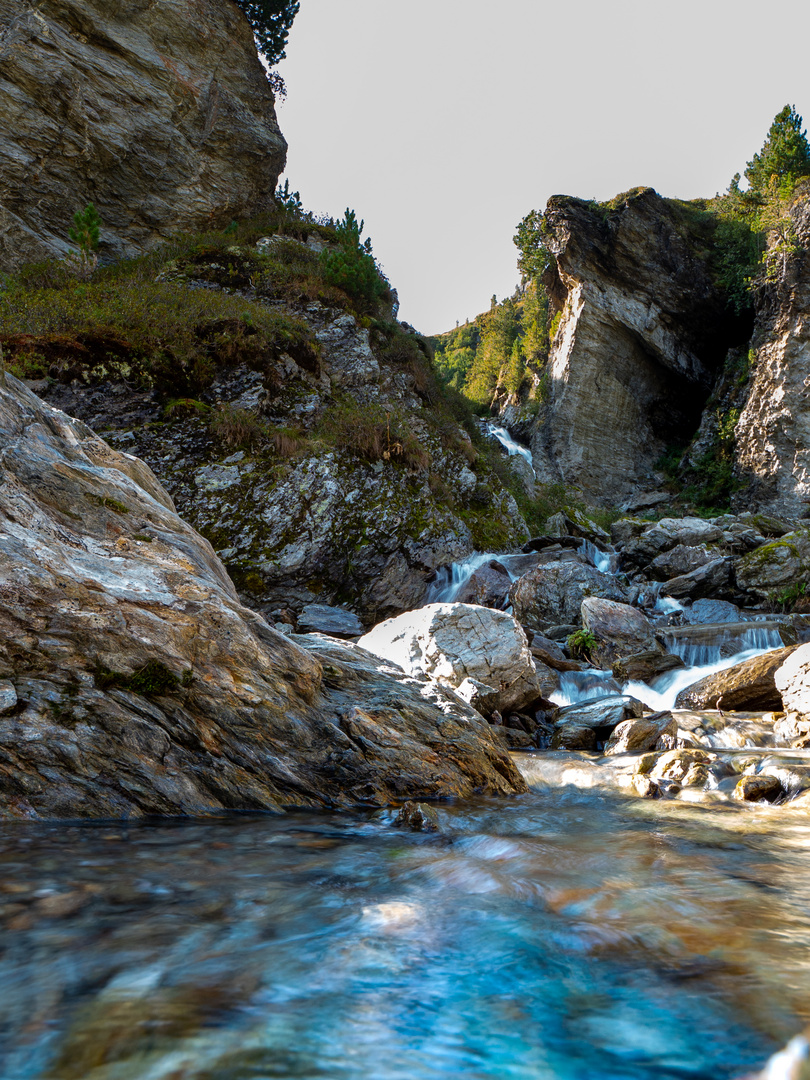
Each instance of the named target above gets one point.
<point>700,654</point>
<point>449,579</point>
<point>509,444</point>
<point>602,560</point>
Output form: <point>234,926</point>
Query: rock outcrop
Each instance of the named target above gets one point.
<point>772,434</point>
<point>133,681</point>
<point>643,331</point>
<point>159,114</point>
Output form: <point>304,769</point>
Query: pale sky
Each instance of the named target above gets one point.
<point>443,122</point>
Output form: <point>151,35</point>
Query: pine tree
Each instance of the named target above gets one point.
<point>785,154</point>
<point>270,21</point>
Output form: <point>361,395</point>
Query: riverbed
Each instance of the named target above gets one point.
<point>563,934</point>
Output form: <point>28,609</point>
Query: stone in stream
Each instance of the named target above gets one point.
<point>757,788</point>
<point>749,685</point>
<point>642,733</point>
<point>146,687</point>
<point>667,534</point>
<point>481,653</point>
<point>680,560</point>
<point>645,666</point>
<point>620,630</point>
<point>487,587</point>
<point>573,736</point>
<point>711,611</point>
<point>600,717</point>
<point>707,581</point>
<point>554,593</point>
<point>325,619</point>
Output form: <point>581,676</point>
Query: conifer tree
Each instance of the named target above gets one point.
<point>270,21</point>
<point>785,154</point>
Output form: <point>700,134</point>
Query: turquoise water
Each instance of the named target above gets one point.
<point>562,934</point>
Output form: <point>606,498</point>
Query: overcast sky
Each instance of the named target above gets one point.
<point>443,122</point>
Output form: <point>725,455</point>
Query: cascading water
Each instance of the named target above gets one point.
<point>449,579</point>
<point>604,561</point>
<point>509,444</point>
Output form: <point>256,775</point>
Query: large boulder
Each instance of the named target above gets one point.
<point>481,653</point>
<point>144,686</point>
<point>792,681</point>
<point>680,560</point>
<point>643,733</point>
<point>554,593</point>
<point>620,630</point>
<point>160,114</point>
<point>749,685</point>
<point>488,587</point>
<point>667,534</point>
<point>710,580</point>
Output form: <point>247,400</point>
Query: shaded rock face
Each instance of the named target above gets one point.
<point>553,593</point>
<point>642,333</point>
<point>749,685</point>
<point>159,114</point>
<point>773,432</point>
<point>134,681</point>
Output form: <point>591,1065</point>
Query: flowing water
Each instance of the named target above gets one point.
<point>509,444</point>
<point>563,934</point>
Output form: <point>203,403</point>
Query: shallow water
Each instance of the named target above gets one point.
<point>565,934</point>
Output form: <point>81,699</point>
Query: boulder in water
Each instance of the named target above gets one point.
<point>642,733</point>
<point>646,665</point>
<point>713,579</point>
<point>757,788</point>
<point>605,712</point>
<point>711,611</point>
<point>749,685</point>
<point>554,593</point>
<point>667,534</point>
<point>619,630</point>
<point>481,653</point>
<point>680,560</point>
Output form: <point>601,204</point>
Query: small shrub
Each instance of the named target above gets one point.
<point>181,408</point>
<point>234,426</point>
<point>581,644</point>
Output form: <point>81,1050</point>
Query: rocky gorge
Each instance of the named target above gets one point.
<point>297,648</point>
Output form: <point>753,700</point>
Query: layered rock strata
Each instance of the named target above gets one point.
<point>159,114</point>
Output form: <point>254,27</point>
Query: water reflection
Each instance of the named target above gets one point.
<point>564,934</point>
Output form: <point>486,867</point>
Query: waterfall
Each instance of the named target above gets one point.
<point>509,444</point>
<point>449,579</point>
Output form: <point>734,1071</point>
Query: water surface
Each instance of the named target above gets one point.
<point>563,934</point>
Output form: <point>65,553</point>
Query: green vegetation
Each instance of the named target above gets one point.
<point>270,21</point>
<point>152,679</point>
<point>86,231</point>
<point>581,644</point>
<point>350,265</point>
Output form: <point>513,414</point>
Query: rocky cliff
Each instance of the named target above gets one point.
<point>159,114</point>
<point>772,435</point>
<point>643,330</point>
<point>133,681</point>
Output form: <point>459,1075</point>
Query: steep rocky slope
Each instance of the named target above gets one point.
<point>133,681</point>
<point>772,435</point>
<point>160,114</point>
<point>643,331</point>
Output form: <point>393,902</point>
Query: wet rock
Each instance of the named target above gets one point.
<point>749,685</point>
<point>680,560</point>
<point>792,681</point>
<point>618,628</point>
<point>481,653</point>
<point>573,736</point>
<point>757,788</point>
<point>678,764</point>
<point>666,535</point>
<point>605,712</point>
<point>707,581</point>
<point>488,587</point>
<point>554,593</point>
<point>645,666</point>
<point>711,611</point>
<point>418,817</point>
<point>515,738</point>
<point>792,729</point>
<point>324,619</point>
<point>640,734</point>
<point>148,688</point>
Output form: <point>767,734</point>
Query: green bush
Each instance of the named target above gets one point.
<point>350,265</point>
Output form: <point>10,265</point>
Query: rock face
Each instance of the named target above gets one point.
<point>159,114</point>
<point>481,653</point>
<point>642,333</point>
<point>773,432</point>
<point>135,682</point>
<point>553,593</point>
<point>792,681</point>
